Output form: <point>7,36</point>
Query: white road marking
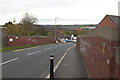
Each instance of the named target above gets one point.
<point>8,61</point>
<point>54,46</point>
<point>45,49</point>
<point>49,48</point>
<point>31,53</point>
<point>39,51</point>
<point>56,66</point>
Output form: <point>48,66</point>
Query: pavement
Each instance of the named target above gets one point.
<point>71,66</point>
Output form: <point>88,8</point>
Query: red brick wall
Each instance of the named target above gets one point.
<point>78,44</point>
<point>91,49</point>
<point>30,40</point>
<point>106,22</point>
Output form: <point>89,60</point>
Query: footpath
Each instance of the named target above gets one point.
<point>72,66</point>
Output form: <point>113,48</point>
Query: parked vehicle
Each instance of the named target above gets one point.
<point>75,39</point>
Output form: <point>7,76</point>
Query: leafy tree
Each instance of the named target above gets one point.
<point>9,23</point>
<point>49,34</point>
<point>13,30</point>
<point>41,31</point>
<point>27,27</point>
<point>14,20</point>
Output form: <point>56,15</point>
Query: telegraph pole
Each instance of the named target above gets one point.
<point>55,29</point>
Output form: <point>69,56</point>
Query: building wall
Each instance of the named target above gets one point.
<point>106,22</point>
<point>28,40</point>
<point>100,52</point>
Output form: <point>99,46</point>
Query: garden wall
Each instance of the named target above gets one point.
<point>28,40</point>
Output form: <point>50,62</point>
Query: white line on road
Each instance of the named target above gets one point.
<point>8,61</point>
<point>55,46</point>
<point>45,49</point>
<point>56,66</point>
<point>39,51</point>
<point>31,53</point>
<point>49,48</point>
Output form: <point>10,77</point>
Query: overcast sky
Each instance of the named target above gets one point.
<point>66,11</point>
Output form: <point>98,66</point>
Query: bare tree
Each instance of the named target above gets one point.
<point>27,22</point>
<point>29,19</point>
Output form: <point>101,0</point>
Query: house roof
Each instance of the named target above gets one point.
<point>114,19</point>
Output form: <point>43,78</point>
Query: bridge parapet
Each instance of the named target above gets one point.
<point>100,51</point>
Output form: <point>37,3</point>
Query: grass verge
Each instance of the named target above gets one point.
<point>7,48</point>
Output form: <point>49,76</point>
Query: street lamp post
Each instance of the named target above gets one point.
<point>55,29</point>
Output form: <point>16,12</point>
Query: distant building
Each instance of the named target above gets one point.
<point>72,37</point>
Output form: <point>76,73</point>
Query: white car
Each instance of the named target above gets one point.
<point>75,41</point>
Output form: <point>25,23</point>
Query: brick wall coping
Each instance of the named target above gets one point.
<point>28,36</point>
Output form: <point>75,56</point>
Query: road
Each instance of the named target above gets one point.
<point>31,62</point>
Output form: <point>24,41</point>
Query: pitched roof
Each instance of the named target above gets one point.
<point>114,19</point>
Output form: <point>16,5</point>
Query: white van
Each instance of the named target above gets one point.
<point>75,39</point>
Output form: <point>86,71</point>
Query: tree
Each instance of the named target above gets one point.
<point>14,30</point>
<point>29,19</point>
<point>27,27</point>
<point>9,23</point>
<point>14,20</point>
<point>41,31</point>
<point>27,22</point>
<point>49,34</point>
